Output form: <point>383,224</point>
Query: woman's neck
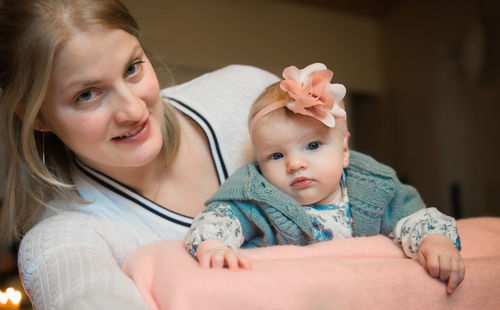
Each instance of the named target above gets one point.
<point>185,183</point>
<point>191,178</point>
<point>147,180</point>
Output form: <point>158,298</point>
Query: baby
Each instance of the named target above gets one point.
<point>307,186</point>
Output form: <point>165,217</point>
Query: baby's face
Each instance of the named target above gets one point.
<point>302,157</point>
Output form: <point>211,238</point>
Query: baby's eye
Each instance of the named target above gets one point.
<point>312,146</point>
<point>277,156</point>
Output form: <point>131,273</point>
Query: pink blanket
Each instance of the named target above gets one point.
<point>368,272</point>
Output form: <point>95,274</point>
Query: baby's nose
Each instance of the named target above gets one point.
<point>295,163</point>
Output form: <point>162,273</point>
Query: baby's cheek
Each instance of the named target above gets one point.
<point>272,174</point>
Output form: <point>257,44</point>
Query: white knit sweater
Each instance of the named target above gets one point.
<point>71,259</point>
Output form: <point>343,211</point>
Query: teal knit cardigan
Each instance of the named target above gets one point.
<point>270,217</point>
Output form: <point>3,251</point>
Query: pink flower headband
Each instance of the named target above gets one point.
<point>311,94</point>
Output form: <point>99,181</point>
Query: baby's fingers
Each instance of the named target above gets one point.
<point>217,260</point>
<point>432,262</point>
<point>235,261</point>
<point>204,261</point>
<point>245,262</point>
<point>456,276</point>
<point>444,268</point>
<point>231,260</point>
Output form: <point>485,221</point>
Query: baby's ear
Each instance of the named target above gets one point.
<point>346,152</point>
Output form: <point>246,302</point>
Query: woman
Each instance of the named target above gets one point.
<point>97,156</point>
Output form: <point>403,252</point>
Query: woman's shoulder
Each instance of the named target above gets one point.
<point>220,101</point>
<point>229,80</point>
<point>223,94</point>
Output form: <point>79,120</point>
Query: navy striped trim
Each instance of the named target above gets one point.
<point>209,134</point>
<point>124,191</point>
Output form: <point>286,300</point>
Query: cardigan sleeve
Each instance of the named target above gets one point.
<point>412,230</point>
<point>378,199</point>
<point>217,222</point>
<point>406,201</point>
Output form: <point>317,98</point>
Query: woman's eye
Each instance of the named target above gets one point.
<point>133,68</point>
<point>87,95</point>
<point>313,146</point>
<point>277,156</point>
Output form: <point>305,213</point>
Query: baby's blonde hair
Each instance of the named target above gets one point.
<point>271,94</point>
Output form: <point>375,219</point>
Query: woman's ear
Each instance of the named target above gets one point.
<point>38,124</point>
<point>346,152</point>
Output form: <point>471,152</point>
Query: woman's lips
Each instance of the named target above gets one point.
<point>137,135</point>
<point>301,182</point>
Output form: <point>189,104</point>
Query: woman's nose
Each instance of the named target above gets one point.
<point>128,106</point>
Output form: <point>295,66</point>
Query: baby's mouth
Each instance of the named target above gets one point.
<point>301,182</point>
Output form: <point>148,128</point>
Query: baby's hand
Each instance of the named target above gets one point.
<point>440,257</point>
<point>215,254</point>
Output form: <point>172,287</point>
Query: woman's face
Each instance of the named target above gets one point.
<point>103,100</point>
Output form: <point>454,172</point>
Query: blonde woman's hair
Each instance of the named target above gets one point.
<point>31,32</point>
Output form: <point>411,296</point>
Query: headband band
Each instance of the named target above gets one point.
<point>311,94</point>
<point>266,110</point>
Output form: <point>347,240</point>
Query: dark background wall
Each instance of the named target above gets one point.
<point>423,77</point>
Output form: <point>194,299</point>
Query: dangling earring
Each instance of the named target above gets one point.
<point>43,147</point>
